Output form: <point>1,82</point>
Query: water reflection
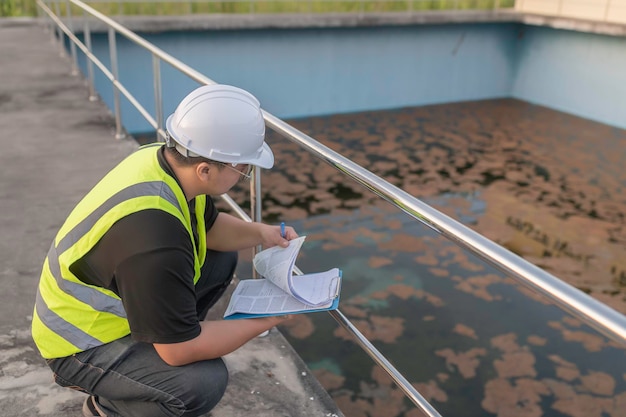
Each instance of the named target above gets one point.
<point>544,184</point>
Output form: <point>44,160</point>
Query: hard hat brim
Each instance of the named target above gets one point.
<point>265,160</point>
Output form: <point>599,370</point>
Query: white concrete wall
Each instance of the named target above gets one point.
<point>598,10</point>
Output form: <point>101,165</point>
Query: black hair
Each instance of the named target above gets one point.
<point>187,161</point>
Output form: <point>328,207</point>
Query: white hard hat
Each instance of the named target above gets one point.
<point>222,123</point>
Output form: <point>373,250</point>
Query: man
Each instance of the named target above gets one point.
<point>140,260</point>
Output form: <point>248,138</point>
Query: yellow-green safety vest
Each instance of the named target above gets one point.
<point>71,316</point>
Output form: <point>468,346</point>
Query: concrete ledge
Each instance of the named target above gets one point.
<point>315,20</point>
<point>269,379</point>
<point>224,21</point>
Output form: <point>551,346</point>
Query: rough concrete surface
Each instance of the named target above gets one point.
<point>56,146</point>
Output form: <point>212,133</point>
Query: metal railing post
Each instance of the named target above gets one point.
<point>70,25</point>
<point>90,77</point>
<point>119,133</point>
<point>52,29</point>
<point>158,98</point>
<point>255,206</point>
<point>60,35</point>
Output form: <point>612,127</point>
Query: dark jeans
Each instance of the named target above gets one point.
<point>130,379</point>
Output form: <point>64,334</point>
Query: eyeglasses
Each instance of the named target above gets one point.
<point>245,175</point>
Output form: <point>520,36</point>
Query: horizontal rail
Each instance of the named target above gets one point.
<point>596,314</point>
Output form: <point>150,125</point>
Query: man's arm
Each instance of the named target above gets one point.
<point>216,339</point>
<point>230,233</point>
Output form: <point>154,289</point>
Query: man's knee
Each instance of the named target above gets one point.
<point>205,384</point>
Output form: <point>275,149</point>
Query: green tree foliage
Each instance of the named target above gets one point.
<point>10,8</point>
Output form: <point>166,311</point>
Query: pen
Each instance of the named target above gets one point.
<point>282,229</point>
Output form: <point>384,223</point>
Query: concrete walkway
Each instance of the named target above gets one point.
<point>55,146</point>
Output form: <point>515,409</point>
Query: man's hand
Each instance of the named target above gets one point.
<point>230,233</point>
<point>271,236</point>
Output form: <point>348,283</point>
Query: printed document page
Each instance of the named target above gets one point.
<point>276,263</point>
<point>260,296</point>
<point>316,288</point>
<point>280,292</point>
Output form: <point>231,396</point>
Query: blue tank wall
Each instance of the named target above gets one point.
<point>309,72</point>
<point>578,73</point>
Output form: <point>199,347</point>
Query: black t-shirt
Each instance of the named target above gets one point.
<point>147,259</point>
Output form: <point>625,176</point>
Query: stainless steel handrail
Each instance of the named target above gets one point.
<point>599,316</point>
<point>370,349</point>
<point>596,314</point>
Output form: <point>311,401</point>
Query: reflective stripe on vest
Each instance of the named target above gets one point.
<point>71,316</point>
<point>154,188</point>
<point>71,333</point>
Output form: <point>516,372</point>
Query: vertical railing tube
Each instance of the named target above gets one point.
<point>255,206</point>
<point>158,97</point>
<point>90,77</point>
<point>70,25</point>
<point>53,28</point>
<point>60,34</point>
<point>119,134</point>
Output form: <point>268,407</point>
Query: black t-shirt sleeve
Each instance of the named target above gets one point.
<point>147,259</point>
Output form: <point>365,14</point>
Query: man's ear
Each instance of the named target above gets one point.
<point>204,170</point>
